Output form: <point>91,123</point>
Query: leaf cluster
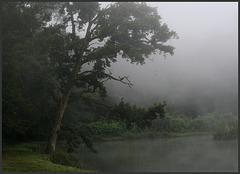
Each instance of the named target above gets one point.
<point>131,114</point>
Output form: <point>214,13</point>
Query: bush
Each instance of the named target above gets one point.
<point>227,131</point>
<point>180,123</point>
<point>171,123</point>
<point>66,159</point>
<point>105,129</point>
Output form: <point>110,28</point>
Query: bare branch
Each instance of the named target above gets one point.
<point>94,27</point>
<point>84,46</point>
<point>97,16</point>
<point>93,38</point>
<point>123,80</point>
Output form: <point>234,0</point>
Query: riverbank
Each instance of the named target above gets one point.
<point>20,158</point>
<point>150,134</point>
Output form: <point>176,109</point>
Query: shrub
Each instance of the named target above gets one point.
<point>66,159</point>
<point>227,131</point>
<point>105,129</point>
<point>171,123</point>
<point>179,122</point>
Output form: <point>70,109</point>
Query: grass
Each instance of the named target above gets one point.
<point>21,159</point>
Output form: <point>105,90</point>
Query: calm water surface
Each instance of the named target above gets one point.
<point>193,154</point>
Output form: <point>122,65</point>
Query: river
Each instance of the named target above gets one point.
<point>183,154</point>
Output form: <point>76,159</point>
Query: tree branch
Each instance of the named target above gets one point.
<point>84,46</point>
<point>123,80</point>
<point>93,38</point>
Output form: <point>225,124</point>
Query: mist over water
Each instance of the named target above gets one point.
<point>204,68</point>
<point>186,154</point>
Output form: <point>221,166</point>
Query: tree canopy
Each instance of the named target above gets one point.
<point>58,53</point>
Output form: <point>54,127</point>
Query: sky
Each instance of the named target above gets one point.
<point>205,60</point>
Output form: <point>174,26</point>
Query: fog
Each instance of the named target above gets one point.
<point>203,72</point>
<point>183,154</point>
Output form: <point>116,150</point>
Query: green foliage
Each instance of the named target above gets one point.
<point>43,64</point>
<point>171,123</point>
<point>153,112</point>
<point>127,113</point>
<point>210,121</point>
<point>66,159</point>
<point>180,123</point>
<point>203,124</point>
<point>132,115</point>
<point>128,24</point>
<point>73,135</point>
<point>24,98</point>
<point>227,130</point>
<point>124,26</point>
<point>107,129</point>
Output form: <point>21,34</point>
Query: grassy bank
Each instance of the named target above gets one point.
<point>172,125</point>
<point>18,158</point>
<point>151,134</point>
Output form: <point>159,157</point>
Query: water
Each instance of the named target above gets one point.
<point>185,154</point>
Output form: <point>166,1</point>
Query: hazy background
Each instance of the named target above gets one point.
<point>202,75</point>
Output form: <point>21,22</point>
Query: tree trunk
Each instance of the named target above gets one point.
<point>61,107</point>
<point>56,127</point>
<point>51,147</point>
